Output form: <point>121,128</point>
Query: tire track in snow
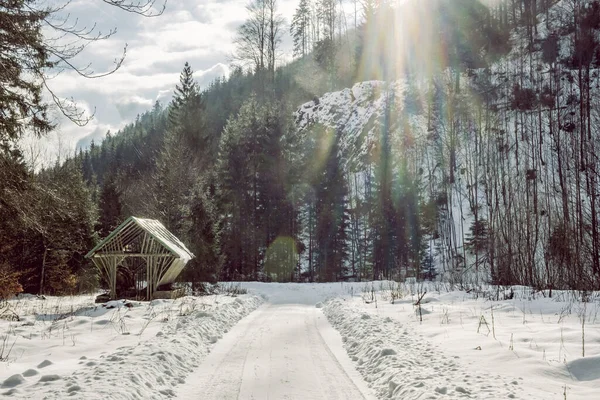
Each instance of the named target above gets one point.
<point>276,353</point>
<point>220,375</point>
<point>339,385</point>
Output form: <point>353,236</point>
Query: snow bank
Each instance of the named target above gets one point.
<point>398,363</point>
<point>173,337</point>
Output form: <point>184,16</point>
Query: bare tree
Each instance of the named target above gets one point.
<point>258,38</point>
<point>250,41</point>
<point>275,25</point>
<point>328,16</point>
<point>147,8</point>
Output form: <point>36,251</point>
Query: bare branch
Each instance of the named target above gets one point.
<point>68,107</point>
<point>64,58</point>
<point>145,8</point>
<point>31,55</point>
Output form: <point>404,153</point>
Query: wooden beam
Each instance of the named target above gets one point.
<point>117,253</point>
<point>113,278</point>
<point>149,277</point>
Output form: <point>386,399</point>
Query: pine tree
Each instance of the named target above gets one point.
<point>37,38</point>
<point>238,181</point>
<point>63,229</point>
<point>204,238</point>
<point>23,55</point>
<point>176,162</point>
<point>109,205</point>
<point>173,182</point>
<point>300,29</point>
<point>16,205</point>
<point>253,177</point>
<point>185,116</point>
<point>332,215</point>
<point>186,94</point>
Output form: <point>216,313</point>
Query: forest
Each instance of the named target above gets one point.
<point>478,163</point>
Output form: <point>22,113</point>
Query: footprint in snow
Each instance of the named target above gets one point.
<point>44,364</point>
<point>50,378</point>
<point>73,389</point>
<point>12,381</point>
<point>30,372</point>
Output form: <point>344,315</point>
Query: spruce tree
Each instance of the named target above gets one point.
<point>300,29</point>
<point>331,198</point>
<point>173,182</point>
<point>253,180</point>
<point>62,231</point>
<point>22,55</point>
<point>204,236</point>
<point>185,114</point>
<point>109,205</point>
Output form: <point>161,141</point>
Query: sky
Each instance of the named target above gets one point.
<point>200,32</point>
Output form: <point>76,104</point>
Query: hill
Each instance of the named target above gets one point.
<point>451,138</point>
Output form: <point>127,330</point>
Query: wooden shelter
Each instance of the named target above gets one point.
<point>143,251</point>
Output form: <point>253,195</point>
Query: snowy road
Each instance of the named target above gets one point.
<point>280,351</point>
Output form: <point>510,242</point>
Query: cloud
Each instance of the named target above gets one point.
<point>200,33</point>
<point>199,60</point>
<point>97,136</point>
<point>131,106</point>
<point>204,78</point>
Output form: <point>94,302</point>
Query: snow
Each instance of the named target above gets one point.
<point>308,341</point>
<point>281,351</point>
<point>536,352</point>
<point>357,115</point>
<point>533,348</point>
<point>73,347</point>
<point>400,364</point>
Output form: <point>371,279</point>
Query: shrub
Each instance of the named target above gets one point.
<point>87,280</point>
<point>60,280</point>
<point>9,282</point>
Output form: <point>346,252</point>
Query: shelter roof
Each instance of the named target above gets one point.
<point>132,228</point>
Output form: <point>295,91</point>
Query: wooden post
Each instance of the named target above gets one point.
<point>132,242</point>
<point>149,277</point>
<point>148,262</point>
<point>113,278</point>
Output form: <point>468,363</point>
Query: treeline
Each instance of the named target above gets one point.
<point>480,164</point>
<point>47,223</point>
<point>254,198</point>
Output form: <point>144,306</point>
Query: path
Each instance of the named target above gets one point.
<point>283,351</point>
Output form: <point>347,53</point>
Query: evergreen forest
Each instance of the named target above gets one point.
<point>453,140</point>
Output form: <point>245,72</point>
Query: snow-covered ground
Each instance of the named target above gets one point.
<point>71,347</point>
<point>530,348</point>
<point>281,351</point>
<point>307,341</point>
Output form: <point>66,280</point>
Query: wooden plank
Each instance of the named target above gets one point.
<point>119,253</point>
<point>113,278</point>
<point>149,279</point>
